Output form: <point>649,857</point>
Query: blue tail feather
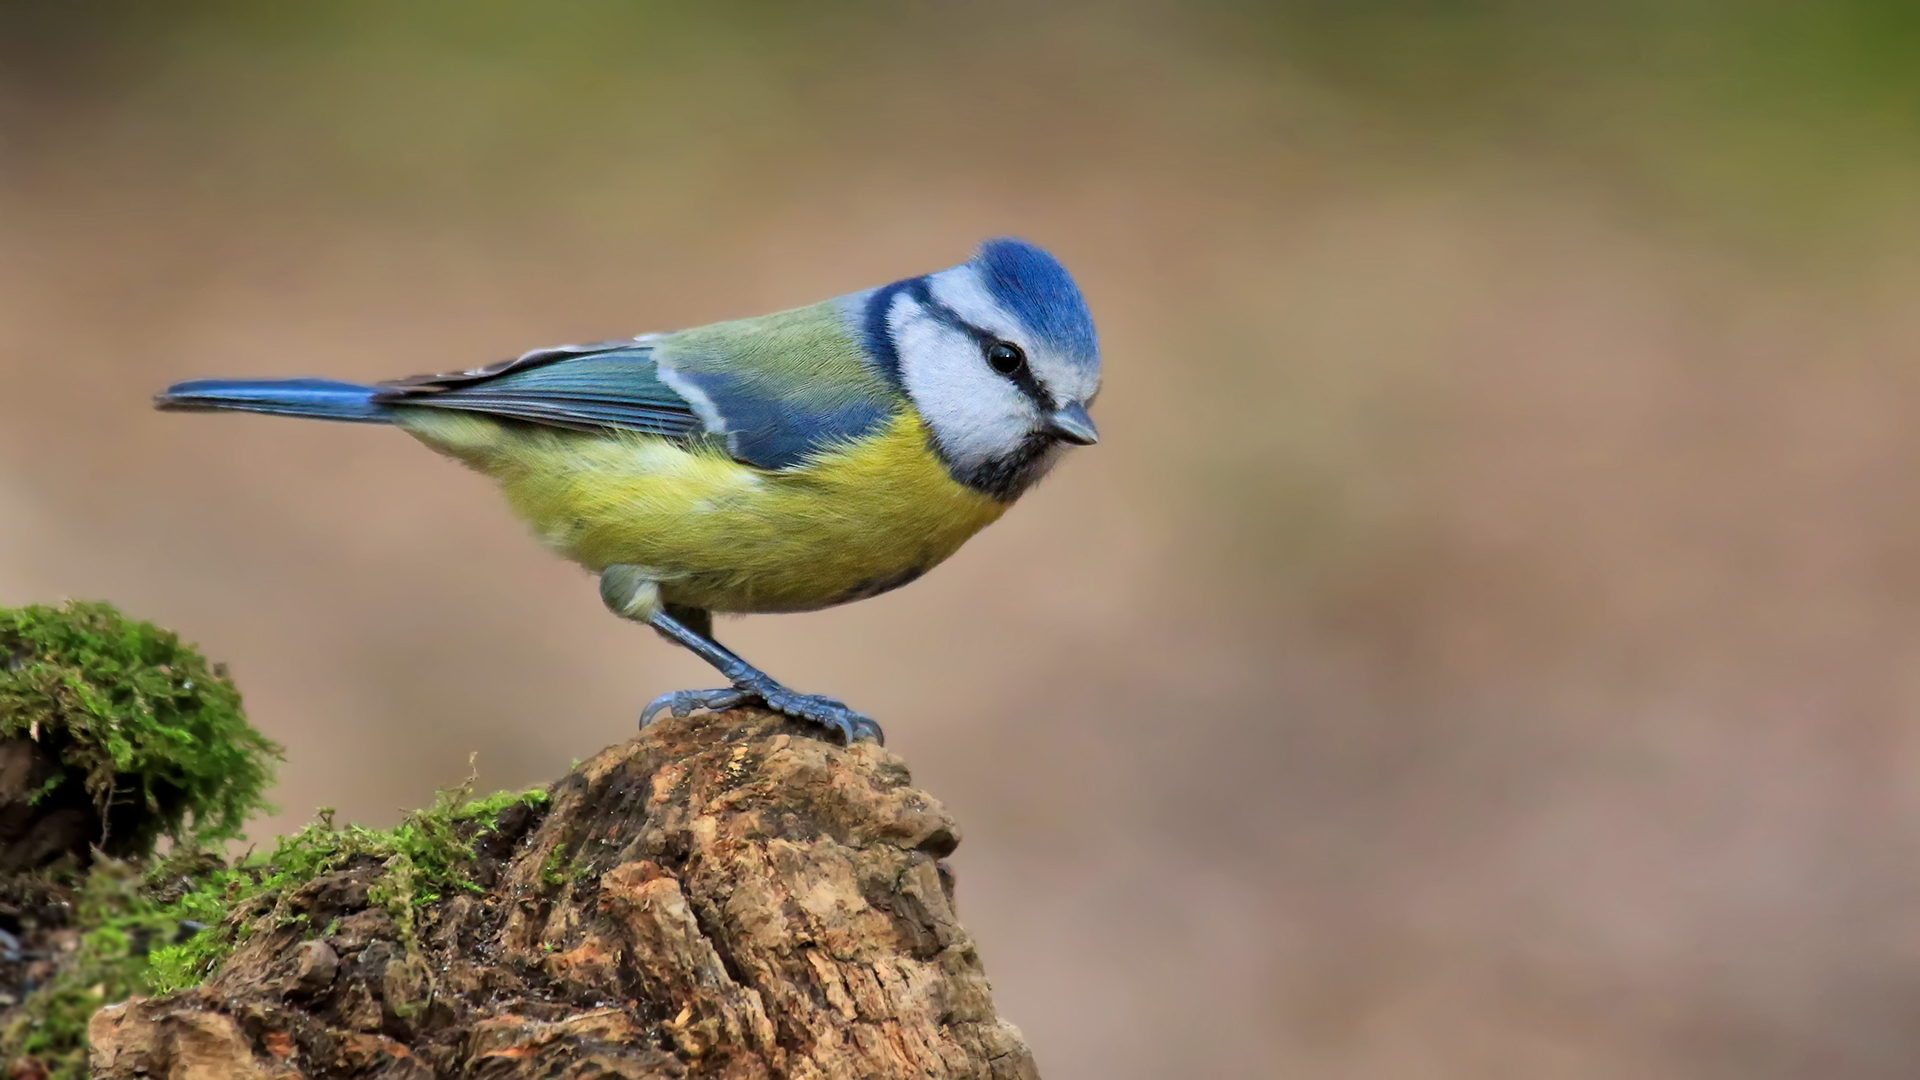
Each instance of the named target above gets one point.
<point>321,399</point>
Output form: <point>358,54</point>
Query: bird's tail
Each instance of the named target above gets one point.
<point>321,399</point>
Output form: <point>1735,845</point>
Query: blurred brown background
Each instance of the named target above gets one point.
<point>1483,646</point>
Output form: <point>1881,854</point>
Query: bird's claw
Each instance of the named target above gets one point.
<point>829,713</point>
<point>682,702</point>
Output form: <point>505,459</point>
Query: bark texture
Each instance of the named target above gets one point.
<point>724,896</point>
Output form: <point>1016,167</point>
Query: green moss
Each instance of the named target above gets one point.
<point>122,922</point>
<point>151,730</point>
<point>553,872</point>
<point>170,928</point>
<point>153,737</point>
<point>422,860</point>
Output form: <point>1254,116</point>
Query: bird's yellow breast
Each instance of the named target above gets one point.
<point>717,534</point>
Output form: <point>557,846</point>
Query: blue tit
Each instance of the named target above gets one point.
<point>787,462</point>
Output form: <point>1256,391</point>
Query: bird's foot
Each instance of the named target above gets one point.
<point>682,702</point>
<point>829,713</point>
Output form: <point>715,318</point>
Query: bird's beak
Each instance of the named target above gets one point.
<point>1071,423</point>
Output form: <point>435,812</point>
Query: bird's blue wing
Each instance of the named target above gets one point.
<point>782,388</point>
<point>778,389</point>
<point>607,385</point>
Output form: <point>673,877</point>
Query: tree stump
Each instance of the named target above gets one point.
<point>724,896</point>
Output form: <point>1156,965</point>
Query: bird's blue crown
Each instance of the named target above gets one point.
<point>1035,288</point>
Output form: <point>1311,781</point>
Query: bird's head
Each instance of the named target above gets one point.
<point>1000,357</point>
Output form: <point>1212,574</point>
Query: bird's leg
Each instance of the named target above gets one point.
<point>698,620</point>
<point>631,593</point>
<point>699,623</point>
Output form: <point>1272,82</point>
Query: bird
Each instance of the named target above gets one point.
<point>779,463</point>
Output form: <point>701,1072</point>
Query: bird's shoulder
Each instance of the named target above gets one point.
<point>781,387</point>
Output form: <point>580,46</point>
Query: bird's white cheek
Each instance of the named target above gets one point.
<point>975,414</point>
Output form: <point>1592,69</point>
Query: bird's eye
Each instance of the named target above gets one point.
<point>1006,357</point>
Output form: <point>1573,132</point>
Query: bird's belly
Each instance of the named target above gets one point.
<point>729,537</point>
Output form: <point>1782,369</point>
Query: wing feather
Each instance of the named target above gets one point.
<point>612,384</point>
<point>779,388</point>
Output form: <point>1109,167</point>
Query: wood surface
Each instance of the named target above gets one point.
<point>724,896</point>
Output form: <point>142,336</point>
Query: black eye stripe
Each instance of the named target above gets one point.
<point>1020,376</point>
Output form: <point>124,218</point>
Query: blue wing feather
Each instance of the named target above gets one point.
<point>615,386</point>
<point>779,427</point>
<point>784,387</point>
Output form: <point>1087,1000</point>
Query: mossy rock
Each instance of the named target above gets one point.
<point>113,733</point>
<point>133,930</point>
